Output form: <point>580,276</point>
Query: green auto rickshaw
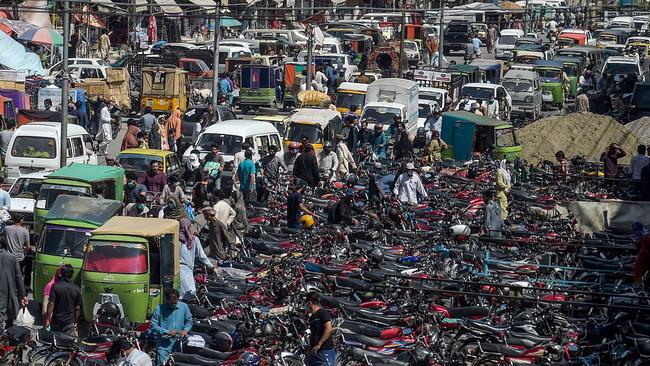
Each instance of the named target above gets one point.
<point>573,69</point>
<point>130,261</point>
<point>468,134</point>
<point>66,231</point>
<point>259,87</point>
<point>78,180</point>
<point>553,84</point>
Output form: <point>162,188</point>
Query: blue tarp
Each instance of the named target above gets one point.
<point>13,55</point>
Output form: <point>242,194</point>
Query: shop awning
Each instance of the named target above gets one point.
<point>109,5</point>
<point>169,7</point>
<point>205,4</point>
<point>140,6</point>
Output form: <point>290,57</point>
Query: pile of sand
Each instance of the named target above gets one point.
<point>641,129</point>
<point>586,134</point>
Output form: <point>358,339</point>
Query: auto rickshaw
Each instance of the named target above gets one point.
<point>78,180</point>
<point>258,87</point>
<point>614,36</point>
<point>164,89</point>
<point>469,73</point>
<point>579,39</point>
<point>491,70</point>
<point>468,134</point>
<point>349,94</point>
<point>550,73</point>
<point>277,120</point>
<point>138,160</point>
<point>317,125</point>
<point>565,42</point>
<point>640,43</point>
<point>130,261</point>
<point>359,42</point>
<point>7,113</point>
<point>573,69</point>
<point>65,233</point>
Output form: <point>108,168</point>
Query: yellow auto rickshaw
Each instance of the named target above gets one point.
<point>164,89</point>
<point>315,125</point>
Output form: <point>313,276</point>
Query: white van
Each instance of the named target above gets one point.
<point>34,147</point>
<point>230,135</point>
<point>622,22</point>
<point>506,43</point>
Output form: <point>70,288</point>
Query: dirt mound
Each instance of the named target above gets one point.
<point>586,134</point>
<point>641,129</point>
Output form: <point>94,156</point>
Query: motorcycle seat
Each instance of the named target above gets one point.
<point>371,331</point>
<point>199,312</point>
<point>468,311</point>
<point>530,337</point>
<point>225,290</point>
<point>337,302</point>
<point>642,345</point>
<point>377,316</point>
<point>216,298</point>
<point>502,349</point>
<point>377,275</point>
<point>194,359</point>
<point>331,271</point>
<point>214,354</point>
<point>376,356</point>
<point>484,327</point>
<point>62,340</point>
<point>351,283</point>
<point>642,329</point>
<point>363,339</point>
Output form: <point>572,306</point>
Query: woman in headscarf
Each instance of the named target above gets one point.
<point>504,185</point>
<point>191,249</point>
<point>173,209</point>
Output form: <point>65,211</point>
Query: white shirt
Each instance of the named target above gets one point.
<point>407,188</point>
<point>552,25</point>
<point>138,358</point>
<point>105,115</point>
<point>638,162</point>
<point>224,213</point>
<point>321,78</point>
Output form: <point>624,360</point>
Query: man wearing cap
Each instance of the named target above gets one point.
<point>130,355</point>
<point>409,185</point>
<point>328,161</point>
<point>343,210</point>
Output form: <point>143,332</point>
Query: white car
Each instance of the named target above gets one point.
<point>481,92</point>
<point>621,66</point>
<point>437,95</point>
<point>82,72</point>
<point>506,43</point>
<point>23,195</point>
<point>425,111</point>
<point>56,68</point>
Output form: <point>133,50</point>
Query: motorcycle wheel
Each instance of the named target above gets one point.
<point>485,361</point>
<point>64,360</point>
<point>289,361</point>
<point>115,128</point>
<point>38,358</point>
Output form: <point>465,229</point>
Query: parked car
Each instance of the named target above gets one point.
<point>194,114</point>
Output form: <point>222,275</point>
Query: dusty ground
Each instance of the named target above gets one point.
<point>586,134</point>
<point>641,129</point>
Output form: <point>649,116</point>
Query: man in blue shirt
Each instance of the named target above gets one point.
<point>246,175</point>
<point>225,89</point>
<point>5,199</point>
<point>82,117</point>
<point>476,43</point>
<point>170,323</point>
<point>147,120</point>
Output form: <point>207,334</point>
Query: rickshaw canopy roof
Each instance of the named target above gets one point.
<point>355,37</point>
<point>85,209</point>
<point>168,86</point>
<point>549,64</point>
<point>149,152</point>
<point>139,226</point>
<point>466,69</point>
<point>88,173</point>
<point>312,115</point>
<point>617,31</point>
<point>475,118</point>
<point>568,59</point>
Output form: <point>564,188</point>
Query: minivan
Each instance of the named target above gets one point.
<point>34,147</point>
<point>506,43</point>
<point>230,135</point>
<point>525,90</point>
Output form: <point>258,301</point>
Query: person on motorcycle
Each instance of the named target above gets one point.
<point>133,191</point>
<point>289,157</point>
<point>587,81</point>
<point>436,146</point>
<point>343,210</point>
<point>391,132</point>
<point>328,161</point>
<point>213,165</point>
<point>170,323</point>
<point>296,206</point>
<point>408,186</point>
<point>154,178</point>
<point>378,141</point>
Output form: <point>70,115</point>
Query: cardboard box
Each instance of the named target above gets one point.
<point>117,75</point>
<point>12,85</point>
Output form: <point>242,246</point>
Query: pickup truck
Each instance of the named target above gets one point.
<point>456,36</point>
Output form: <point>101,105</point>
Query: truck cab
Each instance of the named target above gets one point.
<point>456,35</point>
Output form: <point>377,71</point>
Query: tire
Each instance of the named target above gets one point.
<point>485,361</point>
<point>63,360</point>
<point>290,361</point>
<point>39,357</point>
<point>115,128</point>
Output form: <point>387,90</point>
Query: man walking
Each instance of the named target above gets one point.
<point>246,175</point>
<point>12,291</point>
<point>147,120</point>
<point>491,38</point>
<point>17,237</point>
<point>64,304</point>
<point>105,134</point>
<point>322,352</point>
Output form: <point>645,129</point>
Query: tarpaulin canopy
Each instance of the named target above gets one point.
<point>14,56</point>
<point>17,26</point>
<point>35,12</point>
<point>206,4</point>
<point>110,5</point>
<point>169,7</point>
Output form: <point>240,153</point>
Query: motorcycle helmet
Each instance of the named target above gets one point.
<point>249,359</point>
<point>328,145</point>
<point>307,221</point>
<point>460,230</point>
<point>109,310</point>
<point>351,179</point>
<point>222,342</point>
<point>268,329</point>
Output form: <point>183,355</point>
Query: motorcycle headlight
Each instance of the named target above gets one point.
<point>529,99</point>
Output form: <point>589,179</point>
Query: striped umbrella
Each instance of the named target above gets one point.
<point>42,36</point>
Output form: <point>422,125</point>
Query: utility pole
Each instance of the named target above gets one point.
<point>401,46</point>
<point>441,36</point>
<point>215,66</point>
<point>310,48</point>
<point>65,94</point>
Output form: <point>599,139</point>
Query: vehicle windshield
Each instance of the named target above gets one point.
<point>527,59</point>
<point>620,68</point>
<point>347,100</point>
<point>56,239</point>
<point>550,75</point>
<point>517,87</point>
<point>436,97</point>
<point>571,70</point>
<point>380,114</point>
<point>34,147</point>
<point>569,53</point>
<point>476,92</point>
<point>508,39</point>
<point>410,46</point>
<point>25,187</point>
<point>298,131</point>
<point>136,162</point>
<point>506,137</point>
<point>458,28</point>
<point>230,144</point>
<point>424,111</point>
<point>116,257</point>
<point>607,38</point>
<point>49,192</point>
